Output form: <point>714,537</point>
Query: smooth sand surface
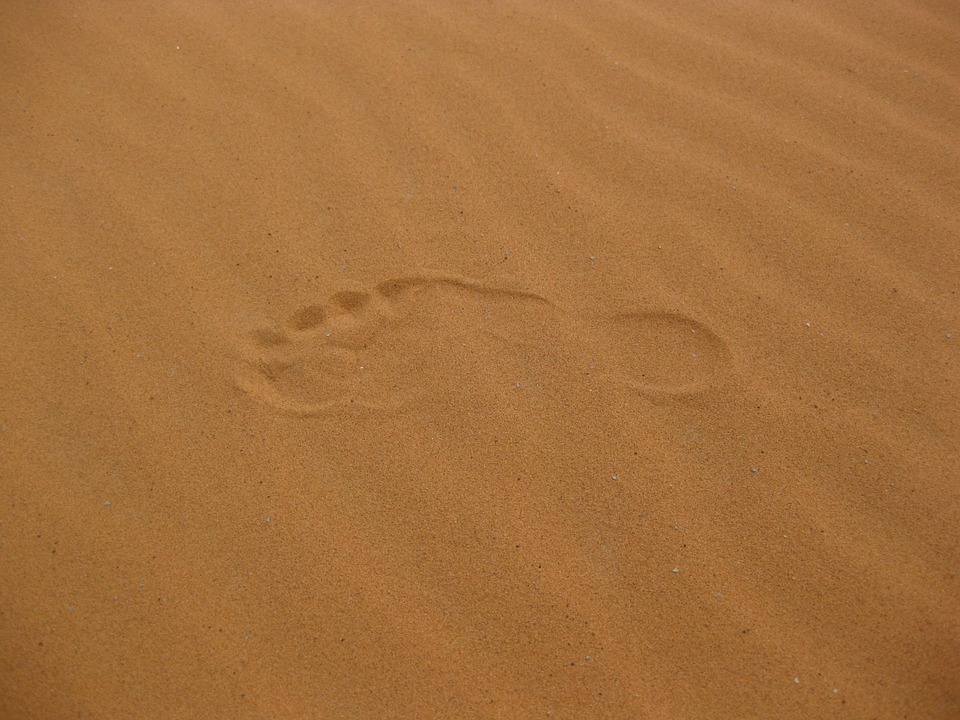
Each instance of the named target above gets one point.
<point>514,359</point>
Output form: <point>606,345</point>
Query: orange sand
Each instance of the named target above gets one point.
<point>437,359</point>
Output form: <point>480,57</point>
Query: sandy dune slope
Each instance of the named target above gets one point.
<point>514,359</point>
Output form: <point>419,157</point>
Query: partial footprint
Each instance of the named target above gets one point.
<point>664,354</point>
<point>431,333</point>
<point>316,360</point>
<point>379,349</point>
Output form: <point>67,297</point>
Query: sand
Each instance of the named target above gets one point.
<point>501,360</point>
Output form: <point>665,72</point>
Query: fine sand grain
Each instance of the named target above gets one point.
<point>442,359</point>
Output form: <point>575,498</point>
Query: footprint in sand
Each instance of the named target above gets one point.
<point>382,348</point>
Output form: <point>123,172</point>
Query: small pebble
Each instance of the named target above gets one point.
<point>675,570</point>
<point>754,470</point>
<point>613,477</point>
<point>268,521</point>
<point>106,503</point>
<point>796,680</point>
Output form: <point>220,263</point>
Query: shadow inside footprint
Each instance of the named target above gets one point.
<point>350,300</point>
<point>307,318</point>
